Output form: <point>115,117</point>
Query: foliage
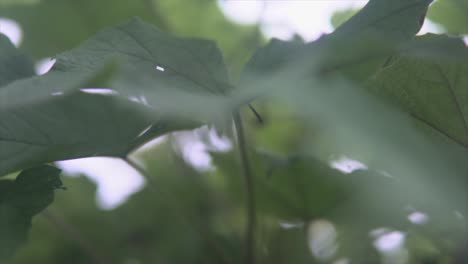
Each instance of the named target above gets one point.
<point>20,199</point>
<point>371,90</point>
<point>450,14</point>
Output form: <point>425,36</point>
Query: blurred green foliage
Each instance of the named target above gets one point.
<point>371,91</point>
<point>451,14</point>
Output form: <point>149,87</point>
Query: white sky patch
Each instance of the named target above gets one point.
<point>105,91</point>
<point>242,12</point>
<point>322,237</point>
<point>12,30</point>
<point>195,145</point>
<point>391,246</point>
<point>290,225</point>
<point>391,241</point>
<point>159,68</point>
<point>195,153</point>
<point>282,19</point>
<point>44,65</point>
<point>418,218</point>
<point>430,27</point>
<point>220,143</point>
<point>347,165</point>
<point>116,180</point>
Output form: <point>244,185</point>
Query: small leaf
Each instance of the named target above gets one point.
<point>20,200</point>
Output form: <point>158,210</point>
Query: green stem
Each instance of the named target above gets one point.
<point>250,191</point>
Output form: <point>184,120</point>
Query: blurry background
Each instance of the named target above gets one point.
<point>192,212</point>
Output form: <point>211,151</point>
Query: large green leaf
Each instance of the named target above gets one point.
<point>14,65</point>
<point>397,19</point>
<point>429,81</point>
<point>451,14</point>
<point>175,75</point>
<point>30,193</point>
<point>357,48</point>
<point>361,44</point>
<point>346,120</point>
<point>42,127</point>
<point>47,118</point>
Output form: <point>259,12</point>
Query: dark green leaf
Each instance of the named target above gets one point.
<point>20,200</point>
<point>38,126</point>
<point>14,65</point>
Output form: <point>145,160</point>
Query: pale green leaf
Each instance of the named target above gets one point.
<point>341,16</point>
<point>177,76</point>
<point>429,81</point>
<point>357,48</point>
<point>451,14</point>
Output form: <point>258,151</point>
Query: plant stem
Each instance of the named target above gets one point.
<point>74,234</point>
<point>250,191</point>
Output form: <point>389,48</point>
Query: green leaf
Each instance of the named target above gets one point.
<point>361,44</point>
<point>397,20</point>
<point>14,65</point>
<point>38,126</point>
<point>341,16</point>
<point>356,49</point>
<point>177,76</point>
<point>428,80</point>
<point>30,193</point>
<point>451,14</point>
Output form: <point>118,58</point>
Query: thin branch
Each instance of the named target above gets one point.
<point>250,189</point>
<point>257,115</point>
<point>75,235</point>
